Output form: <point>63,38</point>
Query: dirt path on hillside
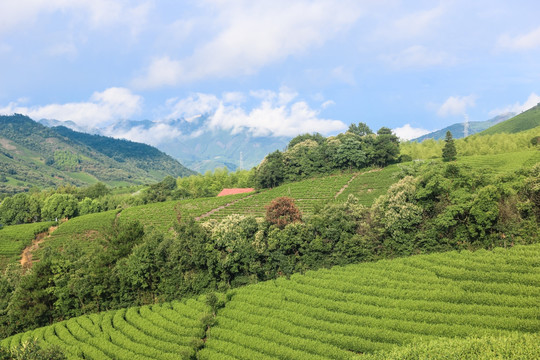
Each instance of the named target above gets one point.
<point>222,207</point>
<point>26,257</point>
<point>351,180</point>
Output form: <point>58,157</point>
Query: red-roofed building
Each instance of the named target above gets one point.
<point>226,192</point>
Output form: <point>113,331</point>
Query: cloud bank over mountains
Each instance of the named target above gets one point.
<point>262,113</point>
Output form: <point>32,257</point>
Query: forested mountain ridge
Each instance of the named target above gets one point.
<point>34,155</point>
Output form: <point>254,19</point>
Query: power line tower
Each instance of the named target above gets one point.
<point>241,161</point>
<point>466,126</point>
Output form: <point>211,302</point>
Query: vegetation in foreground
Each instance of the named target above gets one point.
<point>456,302</point>
<point>434,207</point>
<point>513,346</point>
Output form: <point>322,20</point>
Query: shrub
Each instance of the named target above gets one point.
<point>282,211</point>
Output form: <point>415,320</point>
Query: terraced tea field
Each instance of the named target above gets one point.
<point>502,162</point>
<point>161,216</point>
<point>166,331</point>
<point>338,313</point>
<point>345,311</point>
<point>13,239</point>
<point>80,229</point>
<point>368,186</point>
<point>307,194</point>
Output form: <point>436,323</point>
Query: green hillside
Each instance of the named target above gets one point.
<point>458,130</point>
<point>13,239</point>
<point>474,145</point>
<point>419,302</point>
<point>524,121</point>
<point>34,155</point>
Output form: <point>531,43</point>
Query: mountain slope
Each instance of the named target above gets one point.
<point>140,155</point>
<point>34,155</point>
<point>457,130</point>
<point>524,121</point>
<point>201,147</point>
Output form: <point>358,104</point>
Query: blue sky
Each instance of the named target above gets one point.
<point>278,67</point>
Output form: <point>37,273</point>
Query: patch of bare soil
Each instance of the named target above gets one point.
<point>26,258</point>
<point>6,144</point>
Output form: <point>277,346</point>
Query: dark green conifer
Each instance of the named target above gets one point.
<point>449,150</point>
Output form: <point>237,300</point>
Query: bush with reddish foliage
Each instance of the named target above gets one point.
<point>282,211</point>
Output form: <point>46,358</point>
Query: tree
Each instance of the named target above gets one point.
<point>349,153</point>
<point>385,147</point>
<point>282,211</point>
<point>58,206</point>
<point>270,172</point>
<point>318,138</point>
<point>95,191</point>
<point>19,209</point>
<point>449,151</point>
<point>361,129</point>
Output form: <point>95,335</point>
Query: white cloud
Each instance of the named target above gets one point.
<point>407,132</point>
<point>68,50</point>
<point>253,34</point>
<point>162,71</point>
<point>98,13</point>
<point>103,107</point>
<point>274,114</point>
<point>456,105</point>
<point>234,97</point>
<point>517,108</point>
<point>528,41</point>
<point>192,106</point>
<point>154,135</point>
<point>327,103</point>
<point>416,24</point>
<point>418,56</point>
<point>344,75</point>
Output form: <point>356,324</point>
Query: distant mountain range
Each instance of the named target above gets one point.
<point>197,146</point>
<point>32,154</point>
<point>457,130</point>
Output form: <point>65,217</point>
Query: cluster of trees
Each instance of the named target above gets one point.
<point>311,154</point>
<point>472,145</point>
<point>65,202</point>
<point>433,207</point>
<point>196,186</point>
<point>69,201</point>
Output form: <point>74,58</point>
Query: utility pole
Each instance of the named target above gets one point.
<point>466,126</point>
